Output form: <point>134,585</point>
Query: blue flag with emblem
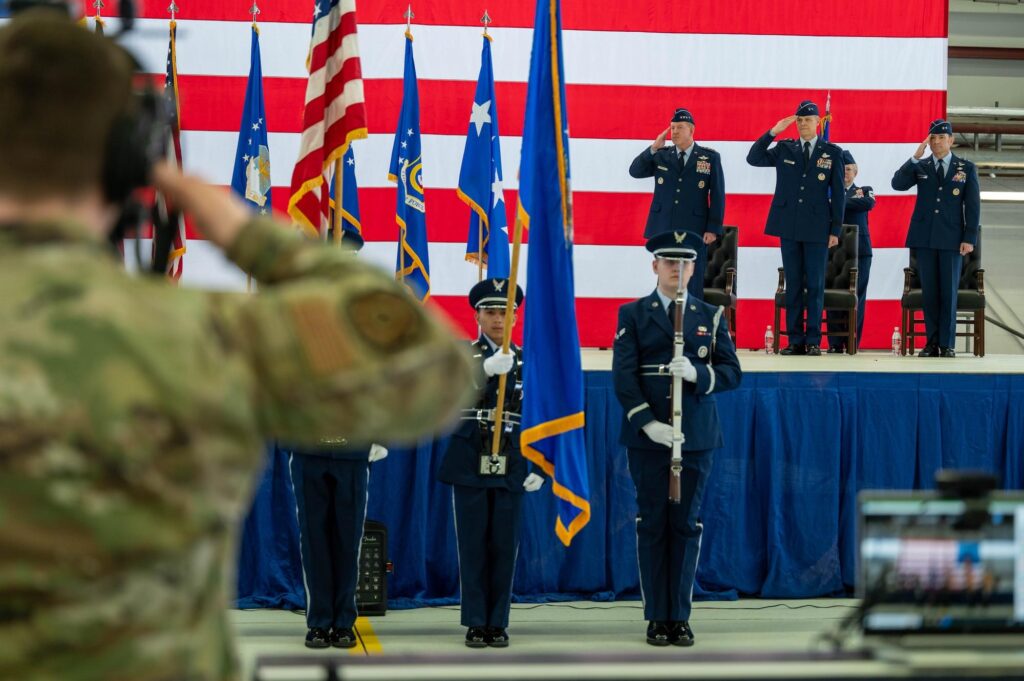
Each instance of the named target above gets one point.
<point>406,169</point>
<point>351,226</point>
<point>552,423</point>
<point>251,176</point>
<point>480,180</point>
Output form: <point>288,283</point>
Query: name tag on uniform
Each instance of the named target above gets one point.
<point>786,160</point>
<point>663,168</point>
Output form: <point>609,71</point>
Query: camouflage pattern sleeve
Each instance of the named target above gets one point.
<point>337,346</point>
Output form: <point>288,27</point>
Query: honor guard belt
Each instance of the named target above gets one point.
<point>487,416</point>
<point>654,370</point>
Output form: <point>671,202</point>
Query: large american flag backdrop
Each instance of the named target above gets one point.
<point>738,66</point>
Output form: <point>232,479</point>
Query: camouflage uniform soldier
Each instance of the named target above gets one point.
<point>132,413</point>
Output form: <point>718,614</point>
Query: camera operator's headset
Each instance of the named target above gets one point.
<point>137,140</point>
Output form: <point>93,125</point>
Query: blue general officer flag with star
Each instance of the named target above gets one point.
<point>480,180</point>
<point>351,226</point>
<point>552,422</point>
<point>251,177</point>
<point>412,264</point>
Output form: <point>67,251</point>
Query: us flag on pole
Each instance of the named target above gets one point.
<point>335,110</point>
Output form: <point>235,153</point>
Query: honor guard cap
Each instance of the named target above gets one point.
<point>848,158</point>
<point>682,116</point>
<point>492,293</point>
<point>807,108</point>
<point>940,127</point>
<point>673,245</point>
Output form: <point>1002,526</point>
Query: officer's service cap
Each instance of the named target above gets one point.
<point>673,245</point>
<point>848,158</point>
<point>940,127</point>
<point>493,293</point>
<point>807,108</point>
<point>682,116</point>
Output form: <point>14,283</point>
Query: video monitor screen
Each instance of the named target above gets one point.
<point>933,565</point>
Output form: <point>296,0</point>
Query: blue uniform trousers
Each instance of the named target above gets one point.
<point>487,529</point>
<point>330,496</point>
<point>668,535</point>
<point>939,270</point>
<point>863,273</point>
<point>804,263</point>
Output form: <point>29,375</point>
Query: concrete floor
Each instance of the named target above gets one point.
<point>750,638</point>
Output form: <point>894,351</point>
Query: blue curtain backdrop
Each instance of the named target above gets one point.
<point>779,514</point>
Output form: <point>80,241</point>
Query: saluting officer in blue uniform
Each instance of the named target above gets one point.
<point>859,202</point>
<point>331,493</point>
<point>806,215</point>
<point>488,492</point>
<point>668,535</point>
<point>689,190</point>
<point>943,228</point>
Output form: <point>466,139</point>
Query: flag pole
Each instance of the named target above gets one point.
<point>486,21</point>
<point>254,10</point>
<point>339,182</point>
<point>402,230</point>
<point>510,302</point>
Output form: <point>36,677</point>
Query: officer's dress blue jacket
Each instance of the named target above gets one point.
<point>643,346</point>
<point>802,208</point>
<point>461,462</point>
<point>687,197</point>
<point>943,218</point>
<point>859,202</point>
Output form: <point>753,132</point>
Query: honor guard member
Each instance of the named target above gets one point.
<point>859,202</point>
<point>330,486</point>
<point>689,190</point>
<point>134,412</point>
<point>488,491</point>
<point>807,216</point>
<point>668,534</point>
<point>943,228</point>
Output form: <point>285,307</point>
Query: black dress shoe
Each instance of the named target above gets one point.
<point>658,634</point>
<point>929,351</point>
<point>794,350</point>
<point>947,352</point>
<point>497,637</point>
<point>814,351</point>
<point>343,637</point>
<point>836,350</point>
<point>317,637</point>
<point>682,634</point>
<point>476,637</point>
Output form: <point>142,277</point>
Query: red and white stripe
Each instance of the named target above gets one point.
<point>335,111</point>
<point>738,68</point>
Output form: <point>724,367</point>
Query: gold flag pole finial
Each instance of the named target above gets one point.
<point>486,21</point>
<point>409,16</point>
<point>254,10</point>
<point>172,9</point>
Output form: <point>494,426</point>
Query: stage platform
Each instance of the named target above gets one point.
<point>868,361</point>
<point>747,639</point>
<point>802,437</point>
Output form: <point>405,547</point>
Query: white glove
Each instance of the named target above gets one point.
<point>682,368</point>
<point>660,433</point>
<point>533,482</point>
<point>377,453</point>
<point>499,363</point>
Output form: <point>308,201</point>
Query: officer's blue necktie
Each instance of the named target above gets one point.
<point>807,153</point>
<point>671,309</point>
<point>941,170</point>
